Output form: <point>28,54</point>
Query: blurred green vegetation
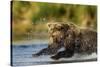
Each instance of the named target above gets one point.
<point>29,18</point>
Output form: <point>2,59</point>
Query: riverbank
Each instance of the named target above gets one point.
<point>30,42</point>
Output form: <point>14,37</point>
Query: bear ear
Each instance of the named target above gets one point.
<point>58,25</point>
<point>72,25</point>
<point>53,24</point>
<point>49,24</point>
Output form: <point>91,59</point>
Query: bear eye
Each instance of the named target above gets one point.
<point>62,28</point>
<point>52,35</point>
<point>68,35</point>
<point>58,29</point>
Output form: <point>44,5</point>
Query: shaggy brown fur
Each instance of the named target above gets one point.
<point>75,39</point>
<point>72,38</point>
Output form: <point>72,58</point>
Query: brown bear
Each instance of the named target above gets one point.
<point>72,38</point>
<point>75,39</point>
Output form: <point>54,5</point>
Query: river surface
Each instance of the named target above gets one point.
<point>22,54</point>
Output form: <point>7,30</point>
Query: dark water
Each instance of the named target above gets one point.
<point>22,56</point>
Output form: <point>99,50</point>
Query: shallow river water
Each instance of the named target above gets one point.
<point>22,55</point>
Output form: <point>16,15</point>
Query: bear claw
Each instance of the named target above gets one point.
<point>54,58</point>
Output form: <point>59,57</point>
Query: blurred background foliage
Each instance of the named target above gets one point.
<point>29,18</point>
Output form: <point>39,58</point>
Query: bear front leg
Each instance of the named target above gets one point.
<point>46,51</point>
<point>69,44</point>
<point>63,54</point>
<point>41,52</point>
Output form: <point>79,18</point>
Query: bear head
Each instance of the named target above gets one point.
<point>57,31</point>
